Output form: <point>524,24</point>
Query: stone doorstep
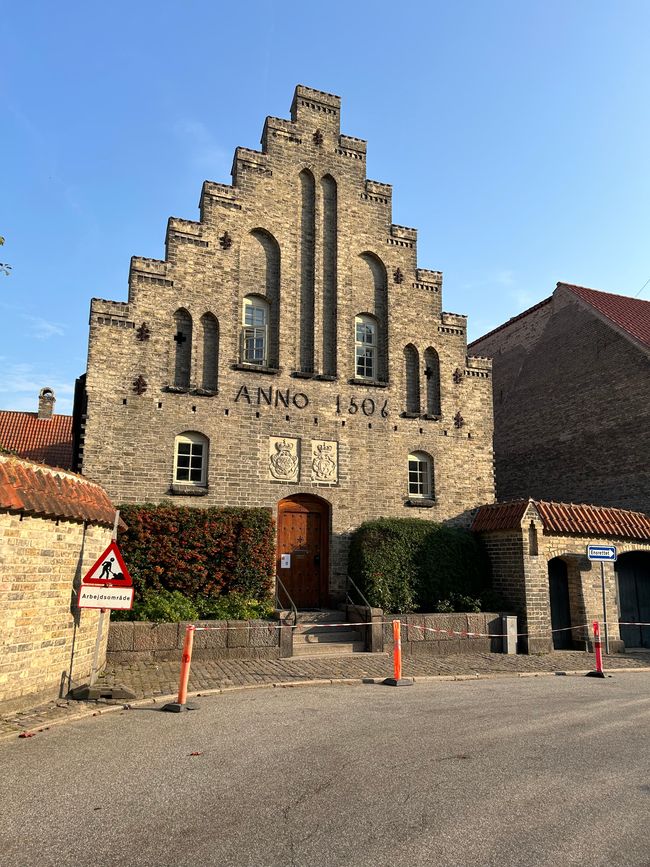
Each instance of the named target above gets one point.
<point>326,636</point>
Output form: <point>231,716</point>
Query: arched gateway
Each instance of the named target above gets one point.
<point>303,550</point>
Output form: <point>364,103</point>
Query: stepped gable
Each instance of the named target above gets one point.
<point>576,519</point>
<point>52,493</point>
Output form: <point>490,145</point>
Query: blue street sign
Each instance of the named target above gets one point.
<point>601,552</point>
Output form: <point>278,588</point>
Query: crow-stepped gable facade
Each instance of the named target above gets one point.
<point>288,352</point>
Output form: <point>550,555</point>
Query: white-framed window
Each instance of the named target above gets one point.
<point>365,347</point>
<point>191,459</point>
<point>420,470</point>
<point>255,328</point>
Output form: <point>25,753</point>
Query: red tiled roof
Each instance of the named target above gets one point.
<point>575,519</point>
<point>46,440</point>
<point>630,314</point>
<point>52,493</point>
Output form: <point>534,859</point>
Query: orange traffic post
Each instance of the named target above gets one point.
<point>397,679</point>
<point>598,648</point>
<point>181,702</point>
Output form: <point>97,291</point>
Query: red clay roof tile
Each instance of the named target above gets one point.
<point>52,493</point>
<point>630,314</point>
<point>571,518</point>
<point>46,440</point>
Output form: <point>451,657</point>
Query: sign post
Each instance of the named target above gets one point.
<point>105,588</point>
<point>601,554</point>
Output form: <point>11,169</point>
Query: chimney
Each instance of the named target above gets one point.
<point>46,401</point>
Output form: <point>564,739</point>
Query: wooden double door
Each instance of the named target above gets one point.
<point>303,551</point>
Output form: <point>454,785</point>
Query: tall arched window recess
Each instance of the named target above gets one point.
<point>191,459</point>
<point>255,331</point>
<point>420,476</point>
<point>183,351</point>
<point>210,352</point>
<point>432,374</point>
<point>365,347</point>
<point>412,379</point>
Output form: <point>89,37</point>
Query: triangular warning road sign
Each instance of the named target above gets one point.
<point>109,570</point>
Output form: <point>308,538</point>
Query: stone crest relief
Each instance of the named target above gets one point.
<point>284,459</point>
<point>324,461</point>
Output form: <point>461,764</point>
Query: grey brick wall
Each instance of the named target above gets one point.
<point>571,408</point>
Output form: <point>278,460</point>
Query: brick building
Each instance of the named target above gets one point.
<point>53,527</point>
<point>572,399</point>
<point>288,352</point>
<point>539,559</point>
<point>39,436</point>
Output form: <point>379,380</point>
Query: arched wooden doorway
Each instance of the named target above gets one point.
<point>303,550</point>
<point>633,574</point>
<point>558,589</point>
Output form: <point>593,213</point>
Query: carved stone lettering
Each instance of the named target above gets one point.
<point>243,392</point>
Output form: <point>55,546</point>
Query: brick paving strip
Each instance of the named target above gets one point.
<point>153,681</point>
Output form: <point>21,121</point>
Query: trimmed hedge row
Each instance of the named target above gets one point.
<point>201,553</point>
<point>406,564</point>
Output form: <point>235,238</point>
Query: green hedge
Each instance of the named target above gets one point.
<point>405,564</point>
<point>203,554</point>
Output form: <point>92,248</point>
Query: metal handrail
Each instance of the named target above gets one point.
<point>286,593</point>
<point>365,601</point>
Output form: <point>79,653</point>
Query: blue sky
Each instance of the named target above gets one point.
<point>515,135</point>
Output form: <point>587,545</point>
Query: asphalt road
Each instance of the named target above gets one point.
<point>543,771</point>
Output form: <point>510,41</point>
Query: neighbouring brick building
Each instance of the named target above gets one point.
<point>539,559</point>
<point>288,352</point>
<point>53,526</point>
<point>39,436</point>
<point>572,399</point>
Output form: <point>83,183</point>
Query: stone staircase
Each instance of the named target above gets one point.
<point>315,638</point>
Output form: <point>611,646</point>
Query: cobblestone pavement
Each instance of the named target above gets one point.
<point>155,679</point>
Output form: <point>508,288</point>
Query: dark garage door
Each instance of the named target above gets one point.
<point>633,573</point>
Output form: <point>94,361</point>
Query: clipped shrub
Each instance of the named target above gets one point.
<point>405,564</point>
<point>205,555</point>
<point>234,606</point>
<point>159,606</point>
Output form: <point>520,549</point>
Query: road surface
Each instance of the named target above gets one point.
<point>534,771</point>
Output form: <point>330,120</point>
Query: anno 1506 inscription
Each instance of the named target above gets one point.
<point>278,397</point>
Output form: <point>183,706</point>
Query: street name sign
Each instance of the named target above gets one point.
<point>601,552</point>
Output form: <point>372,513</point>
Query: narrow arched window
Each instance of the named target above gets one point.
<point>365,347</point>
<point>420,476</point>
<point>183,352</point>
<point>191,459</point>
<point>255,330</point>
<point>412,377</point>
<point>210,350</point>
<point>432,374</point>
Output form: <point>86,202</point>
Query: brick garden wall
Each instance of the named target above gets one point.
<point>40,561</point>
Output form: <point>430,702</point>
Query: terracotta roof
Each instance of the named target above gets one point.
<point>630,314</point>
<point>52,493</point>
<point>570,518</point>
<point>47,440</point>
